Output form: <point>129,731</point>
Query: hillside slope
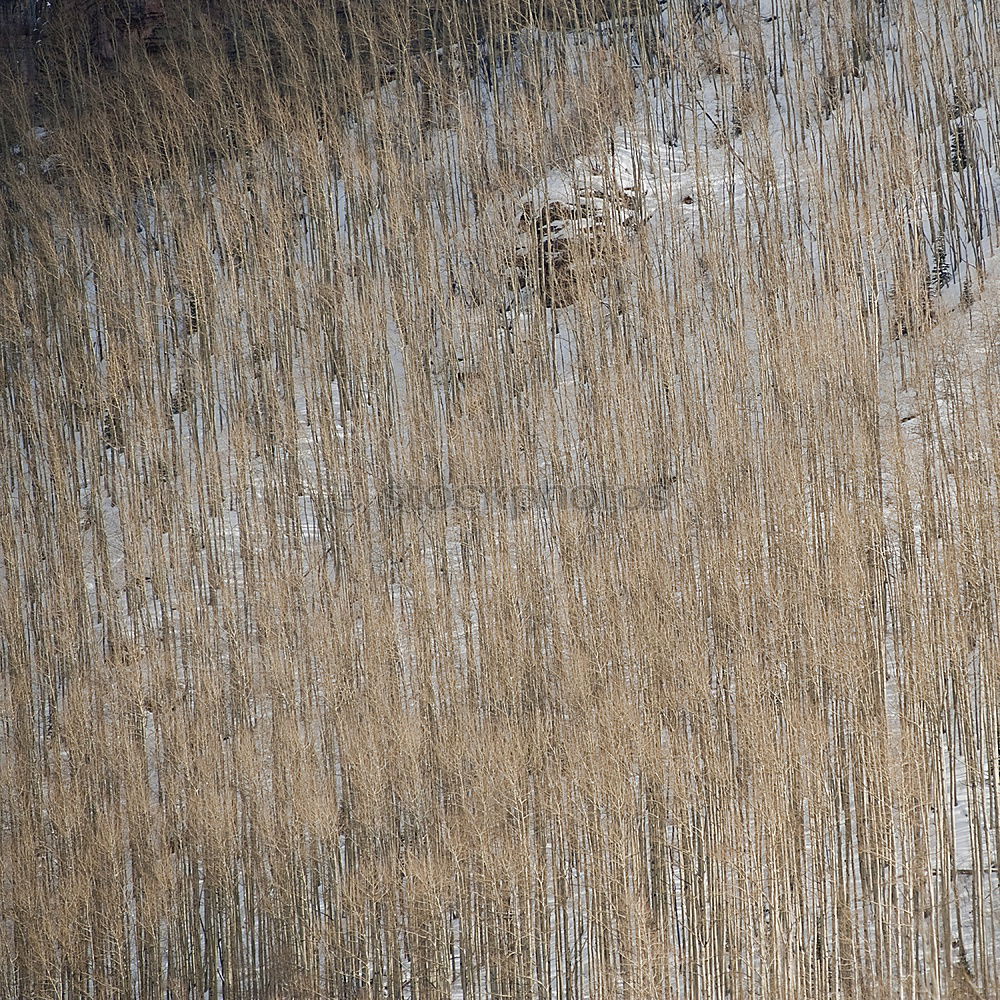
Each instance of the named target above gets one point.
<point>531,536</point>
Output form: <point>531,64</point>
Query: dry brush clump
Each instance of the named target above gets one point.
<point>502,504</point>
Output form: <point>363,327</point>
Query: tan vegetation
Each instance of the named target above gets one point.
<point>369,629</point>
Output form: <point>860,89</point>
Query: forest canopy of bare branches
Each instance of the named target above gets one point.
<point>499,501</point>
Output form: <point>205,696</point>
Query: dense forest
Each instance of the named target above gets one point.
<point>498,501</point>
